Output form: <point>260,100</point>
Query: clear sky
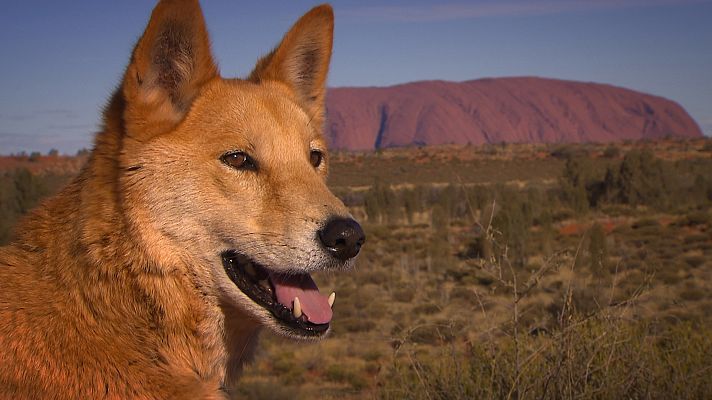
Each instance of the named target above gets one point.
<point>60,60</point>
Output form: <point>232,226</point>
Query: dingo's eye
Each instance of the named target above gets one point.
<point>238,160</point>
<point>315,158</point>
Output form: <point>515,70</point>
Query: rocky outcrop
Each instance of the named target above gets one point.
<point>498,110</point>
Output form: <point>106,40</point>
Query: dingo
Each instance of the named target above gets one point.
<point>198,218</point>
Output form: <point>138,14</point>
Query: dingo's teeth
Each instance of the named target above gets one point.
<point>297,310</point>
<point>332,296</point>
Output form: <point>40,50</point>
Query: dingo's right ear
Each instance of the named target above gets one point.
<point>169,64</point>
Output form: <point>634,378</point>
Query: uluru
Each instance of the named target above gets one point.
<point>496,110</point>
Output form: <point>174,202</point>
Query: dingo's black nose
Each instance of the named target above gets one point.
<point>343,238</point>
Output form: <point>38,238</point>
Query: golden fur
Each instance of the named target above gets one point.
<point>113,288</point>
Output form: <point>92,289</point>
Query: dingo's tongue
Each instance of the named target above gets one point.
<point>315,306</point>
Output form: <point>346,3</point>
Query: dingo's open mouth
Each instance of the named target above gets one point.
<point>293,299</point>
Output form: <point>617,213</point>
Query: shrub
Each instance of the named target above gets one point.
<point>266,389</point>
<point>646,223</point>
<point>430,334</point>
<point>696,218</point>
<point>372,354</point>
<point>461,293</point>
<point>336,373</point>
<point>696,238</point>
<point>404,295</point>
<point>342,374</point>
<point>355,325</point>
<point>34,156</point>
<point>612,151</point>
<point>692,294</point>
<point>669,275</point>
<point>426,308</point>
<point>695,261</point>
<point>598,252</point>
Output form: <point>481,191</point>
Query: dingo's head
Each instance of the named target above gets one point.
<point>228,175</point>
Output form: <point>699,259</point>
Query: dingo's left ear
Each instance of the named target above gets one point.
<point>302,60</point>
<point>169,65</point>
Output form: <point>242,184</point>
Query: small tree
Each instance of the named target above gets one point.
<point>28,190</point>
<point>598,251</point>
<point>642,180</point>
<point>439,246</point>
<point>573,185</point>
<point>513,220</point>
<point>440,219</point>
<point>372,206</point>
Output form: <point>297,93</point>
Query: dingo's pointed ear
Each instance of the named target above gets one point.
<point>169,65</point>
<point>301,60</point>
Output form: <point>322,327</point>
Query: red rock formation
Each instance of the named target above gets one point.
<point>499,110</point>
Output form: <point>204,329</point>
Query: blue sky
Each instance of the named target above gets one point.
<point>61,60</point>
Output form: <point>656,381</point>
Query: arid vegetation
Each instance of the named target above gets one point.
<point>508,271</point>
